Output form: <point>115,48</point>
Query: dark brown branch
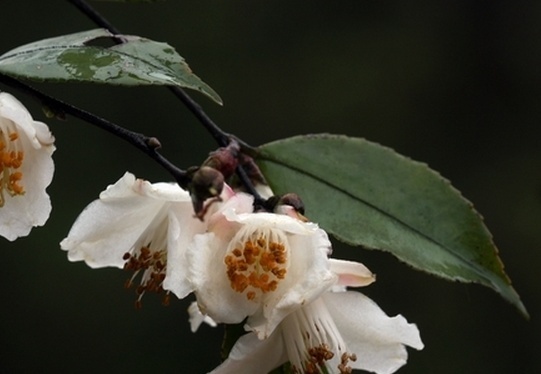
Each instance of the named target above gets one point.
<point>220,136</point>
<point>148,145</point>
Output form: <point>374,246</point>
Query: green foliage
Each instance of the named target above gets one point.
<point>370,196</point>
<point>81,57</point>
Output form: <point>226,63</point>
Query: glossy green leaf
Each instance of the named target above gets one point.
<point>82,57</point>
<point>368,195</point>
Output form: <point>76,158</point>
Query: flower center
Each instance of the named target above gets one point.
<point>153,264</point>
<point>257,261</point>
<point>312,340</point>
<point>11,159</point>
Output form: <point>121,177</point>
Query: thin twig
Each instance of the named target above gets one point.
<point>148,145</point>
<point>91,13</point>
<point>220,136</point>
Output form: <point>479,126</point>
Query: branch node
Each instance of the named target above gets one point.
<point>154,143</point>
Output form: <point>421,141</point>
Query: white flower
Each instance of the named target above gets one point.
<point>274,269</point>
<point>26,169</point>
<point>258,265</point>
<point>197,318</point>
<point>336,333</point>
<point>142,227</point>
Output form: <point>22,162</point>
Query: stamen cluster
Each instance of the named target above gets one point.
<point>344,360</point>
<point>317,358</point>
<point>153,264</point>
<point>257,265</point>
<point>11,160</point>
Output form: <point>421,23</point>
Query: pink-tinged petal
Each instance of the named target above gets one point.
<point>253,356</point>
<point>217,222</point>
<point>377,339</point>
<point>227,192</point>
<point>352,274</point>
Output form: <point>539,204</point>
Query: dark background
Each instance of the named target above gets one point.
<point>455,84</point>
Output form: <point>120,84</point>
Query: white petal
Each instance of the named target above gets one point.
<point>109,227</point>
<point>183,226</point>
<point>129,186</point>
<point>208,276</point>
<point>197,318</point>
<point>377,339</point>
<point>307,278</point>
<point>273,221</point>
<point>13,110</point>
<point>162,191</point>
<point>235,204</point>
<point>22,212</point>
<point>352,274</point>
<point>44,136</point>
<point>253,356</point>
<point>120,189</point>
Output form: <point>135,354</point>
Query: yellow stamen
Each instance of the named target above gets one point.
<point>257,264</point>
<point>11,159</point>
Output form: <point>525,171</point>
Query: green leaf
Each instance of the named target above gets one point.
<point>81,57</point>
<point>368,195</point>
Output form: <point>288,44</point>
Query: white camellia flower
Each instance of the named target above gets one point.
<point>274,269</point>
<point>263,266</point>
<point>258,265</point>
<point>336,333</point>
<point>142,227</point>
<point>26,169</point>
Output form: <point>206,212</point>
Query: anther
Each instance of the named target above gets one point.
<point>11,159</point>
<point>256,265</point>
<point>343,367</point>
<point>152,264</point>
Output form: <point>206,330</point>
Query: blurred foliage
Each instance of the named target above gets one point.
<point>454,84</point>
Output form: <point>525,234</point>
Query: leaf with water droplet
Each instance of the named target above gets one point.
<point>84,57</point>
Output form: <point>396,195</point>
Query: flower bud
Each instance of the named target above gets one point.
<point>206,183</point>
